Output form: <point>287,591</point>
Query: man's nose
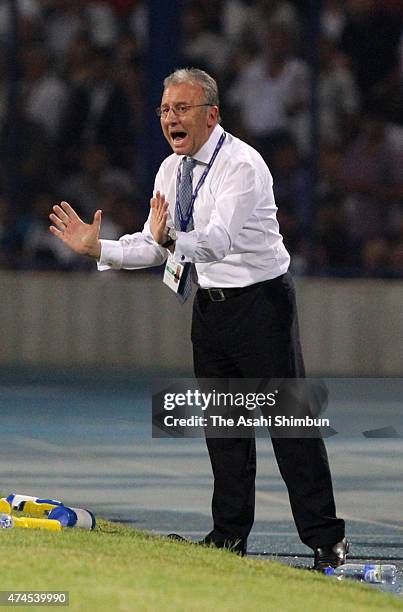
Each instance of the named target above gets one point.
<point>171,115</point>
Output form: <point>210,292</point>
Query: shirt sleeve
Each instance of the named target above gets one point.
<point>235,203</point>
<point>133,251</point>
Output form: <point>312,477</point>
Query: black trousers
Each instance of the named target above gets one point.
<point>254,334</point>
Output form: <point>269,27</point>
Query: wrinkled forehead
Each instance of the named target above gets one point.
<point>191,93</point>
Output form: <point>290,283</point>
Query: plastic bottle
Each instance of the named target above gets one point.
<point>365,572</point>
<point>5,506</point>
<point>18,501</point>
<point>7,522</point>
<point>15,499</point>
<point>73,517</point>
<point>37,508</point>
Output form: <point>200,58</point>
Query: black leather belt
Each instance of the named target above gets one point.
<point>220,295</point>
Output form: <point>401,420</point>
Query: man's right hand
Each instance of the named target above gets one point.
<point>83,238</point>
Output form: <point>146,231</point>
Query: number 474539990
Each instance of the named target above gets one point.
<point>34,598</point>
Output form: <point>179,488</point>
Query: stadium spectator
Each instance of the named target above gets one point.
<point>375,257</point>
<point>123,8</point>
<point>236,18</point>
<point>138,23</point>
<point>29,20</point>
<point>64,22</point>
<point>31,150</point>
<point>98,112</point>
<point>389,95</point>
<point>333,19</point>
<point>370,41</point>
<point>338,101</point>
<point>290,190</point>
<point>44,92</point>
<point>334,251</point>
<point>201,46</point>
<point>279,13</point>
<point>243,17</point>
<point>84,187</point>
<point>129,74</point>
<point>371,176</point>
<point>271,91</point>
<point>102,23</point>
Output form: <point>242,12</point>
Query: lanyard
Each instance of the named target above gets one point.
<point>184,220</point>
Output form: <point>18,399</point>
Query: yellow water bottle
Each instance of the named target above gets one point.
<point>5,506</point>
<point>25,522</point>
<point>37,508</point>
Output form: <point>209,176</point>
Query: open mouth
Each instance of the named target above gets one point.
<point>178,137</point>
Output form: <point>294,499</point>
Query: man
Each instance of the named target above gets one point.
<point>217,192</point>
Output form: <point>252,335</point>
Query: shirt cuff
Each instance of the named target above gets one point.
<point>185,247</point>
<point>111,255</point>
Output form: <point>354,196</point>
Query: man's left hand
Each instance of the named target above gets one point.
<point>159,215</point>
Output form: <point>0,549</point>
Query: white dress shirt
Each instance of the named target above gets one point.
<point>235,241</point>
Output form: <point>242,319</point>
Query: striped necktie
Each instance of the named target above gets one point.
<point>184,200</point>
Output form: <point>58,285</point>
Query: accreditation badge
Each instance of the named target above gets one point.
<point>173,273</point>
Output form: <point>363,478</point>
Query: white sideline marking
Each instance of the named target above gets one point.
<point>350,517</point>
<point>272,497</point>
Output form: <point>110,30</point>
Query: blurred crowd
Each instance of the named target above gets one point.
<point>77,129</point>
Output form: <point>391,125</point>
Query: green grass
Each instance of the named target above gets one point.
<point>116,568</point>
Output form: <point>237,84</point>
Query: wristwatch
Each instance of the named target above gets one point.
<point>172,236</point>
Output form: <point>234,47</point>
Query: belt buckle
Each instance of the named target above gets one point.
<point>212,295</point>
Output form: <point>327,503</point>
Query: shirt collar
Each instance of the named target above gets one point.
<point>204,154</point>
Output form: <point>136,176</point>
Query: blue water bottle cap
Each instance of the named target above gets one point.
<point>66,516</point>
<point>6,521</point>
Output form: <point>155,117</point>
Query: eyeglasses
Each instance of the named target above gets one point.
<point>178,109</point>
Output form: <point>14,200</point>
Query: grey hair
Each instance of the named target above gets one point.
<point>195,75</point>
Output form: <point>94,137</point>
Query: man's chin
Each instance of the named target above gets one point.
<point>181,148</point>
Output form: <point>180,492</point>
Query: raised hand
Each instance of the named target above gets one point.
<point>158,220</point>
<point>83,238</point>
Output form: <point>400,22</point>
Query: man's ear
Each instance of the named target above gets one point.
<point>212,118</point>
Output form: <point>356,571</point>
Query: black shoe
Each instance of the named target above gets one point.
<point>179,538</point>
<point>330,556</point>
<point>236,546</point>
